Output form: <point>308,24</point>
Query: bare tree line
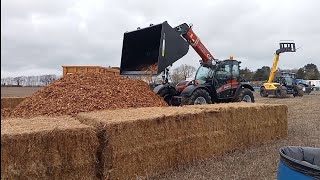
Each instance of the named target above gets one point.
<point>42,80</point>
<point>176,75</point>
<point>181,73</point>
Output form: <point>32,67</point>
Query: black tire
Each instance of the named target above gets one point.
<point>165,94</point>
<point>298,91</point>
<point>244,95</point>
<point>263,92</point>
<point>198,97</point>
<point>281,93</point>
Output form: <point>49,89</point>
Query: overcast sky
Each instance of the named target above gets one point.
<point>39,36</point>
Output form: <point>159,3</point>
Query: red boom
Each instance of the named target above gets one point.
<point>197,45</point>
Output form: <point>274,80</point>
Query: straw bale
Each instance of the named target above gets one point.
<point>47,148</point>
<point>146,141</point>
<point>11,102</point>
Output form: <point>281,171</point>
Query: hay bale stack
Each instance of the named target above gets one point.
<point>147,141</point>
<point>11,102</point>
<point>251,123</point>
<point>47,148</point>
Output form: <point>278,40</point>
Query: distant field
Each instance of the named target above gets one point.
<point>18,91</point>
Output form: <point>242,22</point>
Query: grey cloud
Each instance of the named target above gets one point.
<point>40,36</point>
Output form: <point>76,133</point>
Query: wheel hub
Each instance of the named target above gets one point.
<point>247,98</point>
<point>200,100</point>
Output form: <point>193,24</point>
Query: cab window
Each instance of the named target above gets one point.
<point>225,70</point>
<point>235,70</point>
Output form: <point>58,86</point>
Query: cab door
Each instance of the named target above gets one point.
<point>235,77</point>
<point>227,77</point>
<point>223,77</point>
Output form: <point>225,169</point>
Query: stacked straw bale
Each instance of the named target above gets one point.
<point>11,102</point>
<point>47,148</point>
<point>146,141</point>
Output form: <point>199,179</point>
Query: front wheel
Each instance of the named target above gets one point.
<point>166,95</point>
<point>244,95</point>
<point>298,91</point>
<point>263,92</point>
<point>281,92</point>
<point>199,96</point>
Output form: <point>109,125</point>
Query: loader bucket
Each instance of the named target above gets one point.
<point>150,50</point>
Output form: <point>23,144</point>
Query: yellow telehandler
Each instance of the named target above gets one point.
<point>285,84</point>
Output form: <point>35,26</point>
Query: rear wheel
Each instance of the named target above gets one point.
<point>263,92</point>
<point>281,93</point>
<point>244,95</point>
<point>199,96</point>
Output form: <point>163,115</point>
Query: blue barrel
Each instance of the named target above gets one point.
<point>301,163</point>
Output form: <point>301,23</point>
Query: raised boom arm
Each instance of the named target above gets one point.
<point>187,32</point>
<point>284,47</point>
<point>274,68</point>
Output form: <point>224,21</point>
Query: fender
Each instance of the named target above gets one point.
<point>159,87</point>
<point>299,86</point>
<point>283,87</point>
<point>243,85</point>
<point>246,85</point>
<point>191,88</point>
<point>170,89</point>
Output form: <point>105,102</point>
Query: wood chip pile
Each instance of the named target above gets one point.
<point>147,141</point>
<point>48,148</point>
<point>152,68</point>
<point>87,92</point>
<point>11,102</point>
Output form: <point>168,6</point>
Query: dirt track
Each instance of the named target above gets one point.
<point>260,162</point>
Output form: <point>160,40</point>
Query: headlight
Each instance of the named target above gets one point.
<point>304,89</point>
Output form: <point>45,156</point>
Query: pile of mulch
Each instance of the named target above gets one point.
<point>88,92</point>
<point>153,67</point>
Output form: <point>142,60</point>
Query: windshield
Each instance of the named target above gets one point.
<point>202,74</point>
<point>288,80</point>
